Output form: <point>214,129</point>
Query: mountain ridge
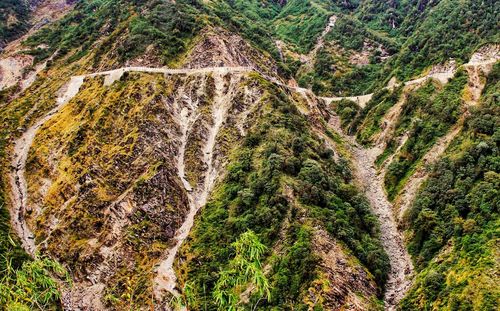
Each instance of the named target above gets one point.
<point>120,157</point>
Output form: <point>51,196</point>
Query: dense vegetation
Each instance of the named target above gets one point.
<point>427,115</point>
<point>369,121</point>
<point>431,32</point>
<point>329,77</point>
<point>366,122</point>
<point>454,219</point>
<point>422,30</point>
<point>280,184</point>
<point>13,20</point>
<point>129,27</point>
<point>417,35</point>
<point>32,286</point>
<point>450,30</point>
<point>301,21</point>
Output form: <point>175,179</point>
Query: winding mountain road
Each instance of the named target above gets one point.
<point>197,195</point>
<point>363,159</point>
<point>17,180</point>
<point>22,144</point>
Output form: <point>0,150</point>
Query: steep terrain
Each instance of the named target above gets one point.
<point>388,147</point>
<point>16,66</point>
<point>248,155</point>
<point>121,212</point>
<point>400,275</point>
<point>453,221</point>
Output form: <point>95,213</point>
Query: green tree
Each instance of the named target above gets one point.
<point>31,287</point>
<point>243,271</point>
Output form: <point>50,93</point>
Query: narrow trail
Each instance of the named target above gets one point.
<point>17,180</point>
<point>410,190</point>
<point>320,42</point>
<point>362,100</point>
<point>197,196</point>
<point>400,274</point>
<point>22,145</point>
<point>401,271</point>
<point>474,89</point>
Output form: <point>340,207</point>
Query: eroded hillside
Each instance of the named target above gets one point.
<point>161,155</point>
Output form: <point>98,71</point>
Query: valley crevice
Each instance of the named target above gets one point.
<point>400,275</point>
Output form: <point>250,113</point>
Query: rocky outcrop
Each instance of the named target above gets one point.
<point>220,48</point>
<point>350,286</point>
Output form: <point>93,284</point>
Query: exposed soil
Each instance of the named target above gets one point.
<point>440,73</point>
<point>363,159</point>
<point>479,66</point>
<point>320,42</point>
<point>89,295</point>
<point>17,179</point>
<point>15,66</point>
<point>350,286</point>
<point>400,275</point>
<point>198,195</point>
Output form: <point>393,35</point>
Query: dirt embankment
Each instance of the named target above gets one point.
<point>17,179</point>
<point>194,124</point>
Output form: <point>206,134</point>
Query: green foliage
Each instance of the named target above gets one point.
<point>250,19</point>
<point>14,16</point>
<point>418,34</point>
<point>280,152</point>
<point>351,34</point>
<point>31,287</point>
<point>300,22</point>
<point>345,213</point>
<point>368,121</point>
<point>328,79</point>
<point>450,30</point>
<point>251,210</point>
<point>11,117</point>
<point>296,22</point>
<point>244,270</point>
<point>365,122</point>
<point>165,25</point>
<point>25,284</point>
<point>455,217</point>
<point>427,114</point>
<point>346,110</point>
<point>291,272</point>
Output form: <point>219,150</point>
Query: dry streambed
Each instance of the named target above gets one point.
<point>400,275</point>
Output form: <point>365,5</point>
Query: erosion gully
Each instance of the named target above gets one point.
<point>400,275</point>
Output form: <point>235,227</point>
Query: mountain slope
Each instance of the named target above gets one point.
<point>454,218</point>
<point>161,155</point>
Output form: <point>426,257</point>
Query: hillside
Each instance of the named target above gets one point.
<point>249,155</point>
